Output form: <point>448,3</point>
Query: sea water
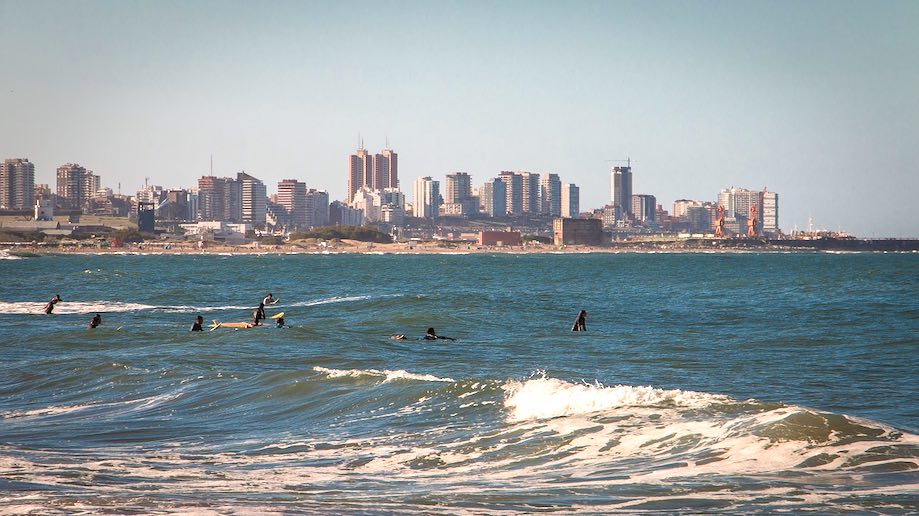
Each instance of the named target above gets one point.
<point>705,383</point>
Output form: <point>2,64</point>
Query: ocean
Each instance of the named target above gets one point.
<point>713,383</point>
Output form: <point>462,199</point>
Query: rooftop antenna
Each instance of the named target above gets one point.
<point>387,142</point>
<point>119,187</point>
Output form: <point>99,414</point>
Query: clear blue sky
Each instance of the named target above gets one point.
<point>819,101</point>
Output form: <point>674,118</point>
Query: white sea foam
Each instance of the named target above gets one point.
<point>387,375</point>
<point>544,398</point>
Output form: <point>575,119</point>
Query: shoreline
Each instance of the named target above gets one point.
<point>24,250</point>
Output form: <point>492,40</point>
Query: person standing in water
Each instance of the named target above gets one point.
<point>50,306</point>
<point>269,299</point>
<point>580,324</point>
<point>96,321</point>
<point>198,322</point>
<point>258,314</point>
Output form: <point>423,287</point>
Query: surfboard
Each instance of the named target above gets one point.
<point>215,325</point>
<point>276,301</point>
<point>277,315</point>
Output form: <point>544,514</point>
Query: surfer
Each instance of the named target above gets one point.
<point>198,322</point>
<point>280,322</point>
<point>96,321</point>
<point>580,324</point>
<point>258,314</point>
<point>432,335</point>
<point>269,300</point>
<point>50,306</point>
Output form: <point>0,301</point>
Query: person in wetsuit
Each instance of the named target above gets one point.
<point>580,324</point>
<point>258,314</point>
<point>96,321</point>
<point>50,306</point>
<point>432,335</point>
<point>197,326</point>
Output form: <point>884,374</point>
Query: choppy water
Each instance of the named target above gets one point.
<point>706,383</point>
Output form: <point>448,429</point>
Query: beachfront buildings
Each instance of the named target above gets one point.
<point>426,197</point>
<point>75,185</point>
<point>513,187</point>
<point>458,198</point>
<point>253,199</point>
<point>644,208</point>
<point>550,193</point>
<point>17,184</point>
<point>621,189</point>
<point>567,231</point>
<point>570,200</point>
<point>493,198</point>
<point>373,171</point>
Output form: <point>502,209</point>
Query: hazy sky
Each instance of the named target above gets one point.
<point>818,101</point>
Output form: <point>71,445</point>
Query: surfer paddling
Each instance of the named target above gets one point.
<point>580,324</point>
<point>432,335</point>
<point>50,306</point>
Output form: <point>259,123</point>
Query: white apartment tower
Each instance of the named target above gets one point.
<point>17,184</point>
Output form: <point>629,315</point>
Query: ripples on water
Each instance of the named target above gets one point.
<point>725,383</point>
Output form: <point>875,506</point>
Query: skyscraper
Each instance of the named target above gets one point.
<point>292,197</point>
<point>644,207</point>
<point>550,190</point>
<point>386,170</point>
<point>570,201</point>
<point>458,194</point>
<point>770,212</point>
<point>253,199</point>
<point>317,208</point>
<point>376,172</point>
<point>17,184</point>
<point>530,192</point>
<point>513,185</point>
<point>426,200</point>
<point>360,172</point>
<point>494,198</point>
<point>72,185</point>
<point>213,202</point>
<point>622,188</point>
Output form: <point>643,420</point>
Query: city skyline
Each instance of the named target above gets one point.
<point>702,97</point>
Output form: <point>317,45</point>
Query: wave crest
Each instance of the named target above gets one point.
<point>547,398</point>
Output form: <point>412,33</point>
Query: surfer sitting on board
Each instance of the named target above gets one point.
<point>198,322</point>
<point>50,306</point>
<point>432,335</point>
<point>96,321</point>
<point>580,324</point>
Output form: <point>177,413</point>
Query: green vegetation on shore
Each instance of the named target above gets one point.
<point>362,234</point>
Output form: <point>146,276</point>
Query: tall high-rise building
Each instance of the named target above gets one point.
<point>73,184</point>
<point>17,184</point>
<point>550,192</point>
<point>738,201</point>
<point>292,197</point>
<point>376,172</point>
<point>317,208</point>
<point>570,201</point>
<point>213,201</point>
<point>360,171</point>
<point>385,170</point>
<point>770,212</point>
<point>458,187</point>
<point>530,193</point>
<point>622,188</point>
<point>513,185</point>
<point>253,199</point>
<point>426,200</point>
<point>643,207</point>
<point>493,198</point>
